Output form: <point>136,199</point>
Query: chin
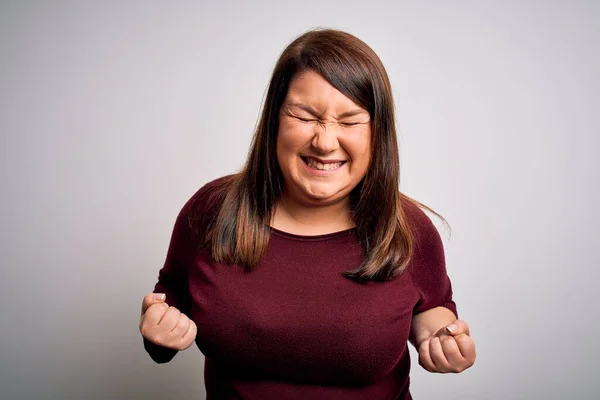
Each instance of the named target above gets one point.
<point>330,195</point>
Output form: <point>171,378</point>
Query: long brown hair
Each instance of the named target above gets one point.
<point>239,235</point>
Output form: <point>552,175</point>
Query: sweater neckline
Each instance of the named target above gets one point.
<point>312,238</point>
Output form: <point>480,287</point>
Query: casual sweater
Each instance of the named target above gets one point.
<point>293,327</point>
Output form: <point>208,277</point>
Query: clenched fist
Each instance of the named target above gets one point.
<point>451,349</point>
<point>165,326</point>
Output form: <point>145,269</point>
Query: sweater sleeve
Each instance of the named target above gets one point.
<point>428,268</point>
<point>173,279</point>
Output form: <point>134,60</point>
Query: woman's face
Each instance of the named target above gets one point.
<point>323,143</point>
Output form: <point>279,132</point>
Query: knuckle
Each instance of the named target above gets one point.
<point>161,308</point>
<point>183,322</point>
<point>157,307</point>
<point>158,339</point>
<point>179,345</point>
<point>144,330</point>
<point>168,311</point>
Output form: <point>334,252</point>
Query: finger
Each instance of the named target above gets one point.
<point>182,326</point>
<point>425,357</point>
<point>154,313</point>
<point>452,353</point>
<point>190,335</point>
<point>466,347</point>
<point>170,319</point>
<point>152,298</point>
<point>457,327</point>
<point>437,355</point>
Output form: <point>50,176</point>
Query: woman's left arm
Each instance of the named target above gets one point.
<point>444,342</point>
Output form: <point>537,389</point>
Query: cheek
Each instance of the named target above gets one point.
<point>366,148</point>
<point>287,149</point>
<point>291,139</point>
<point>359,151</point>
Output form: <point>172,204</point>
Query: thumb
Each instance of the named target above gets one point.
<point>456,328</point>
<point>152,298</point>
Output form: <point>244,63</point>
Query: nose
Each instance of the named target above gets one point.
<point>325,139</point>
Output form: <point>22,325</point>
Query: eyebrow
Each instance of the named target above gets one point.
<point>315,113</point>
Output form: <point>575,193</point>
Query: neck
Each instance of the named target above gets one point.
<point>294,216</point>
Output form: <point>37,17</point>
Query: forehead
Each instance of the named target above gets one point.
<point>311,88</point>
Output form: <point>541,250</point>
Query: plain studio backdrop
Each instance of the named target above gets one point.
<point>114,113</point>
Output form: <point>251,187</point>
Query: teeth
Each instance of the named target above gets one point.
<point>323,167</point>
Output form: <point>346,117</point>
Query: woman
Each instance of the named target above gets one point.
<point>304,275</point>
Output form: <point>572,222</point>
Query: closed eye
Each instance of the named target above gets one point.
<point>306,120</point>
<point>344,124</point>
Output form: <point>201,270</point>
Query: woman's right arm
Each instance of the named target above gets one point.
<point>165,324</point>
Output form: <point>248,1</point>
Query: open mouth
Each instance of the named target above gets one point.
<point>322,166</point>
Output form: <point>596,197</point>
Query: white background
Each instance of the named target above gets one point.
<point>114,113</point>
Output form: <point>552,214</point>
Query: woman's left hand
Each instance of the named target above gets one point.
<point>451,349</point>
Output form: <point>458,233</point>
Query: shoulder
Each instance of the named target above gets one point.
<point>428,248</point>
<point>427,268</point>
<point>210,194</point>
<point>203,207</point>
<point>419,222</point>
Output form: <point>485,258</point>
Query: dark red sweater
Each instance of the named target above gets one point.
<point>294,328</point>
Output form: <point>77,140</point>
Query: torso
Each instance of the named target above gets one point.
<point>295,317</point>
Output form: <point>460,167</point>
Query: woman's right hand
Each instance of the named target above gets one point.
<point>165,326</point>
